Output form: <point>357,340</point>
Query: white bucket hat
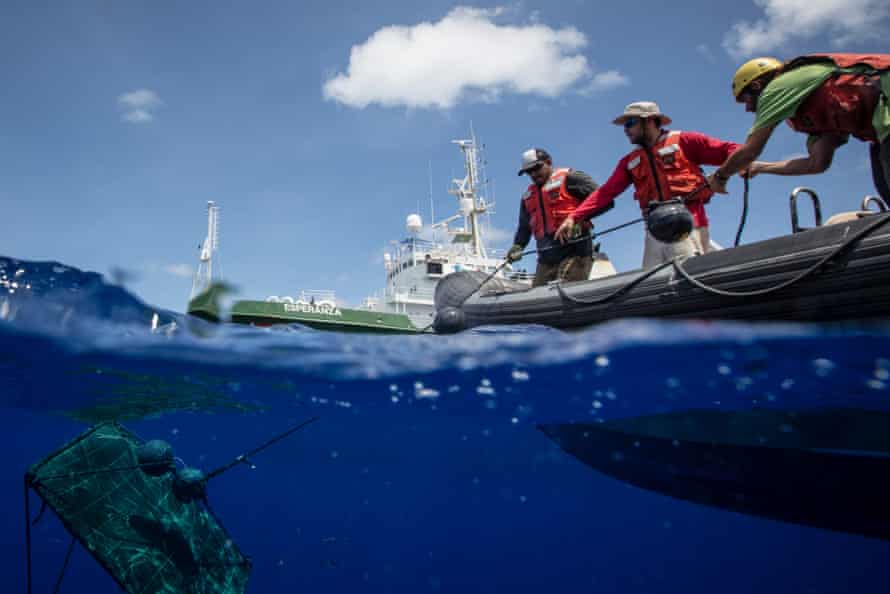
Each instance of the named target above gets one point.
<point>641,109</point>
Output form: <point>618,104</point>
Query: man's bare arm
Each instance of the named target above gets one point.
<point>821,152</point>
<point>740,160</point>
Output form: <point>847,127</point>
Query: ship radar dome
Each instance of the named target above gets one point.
<point>414,224</point>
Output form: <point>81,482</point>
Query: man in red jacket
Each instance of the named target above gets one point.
<point>666,165</point>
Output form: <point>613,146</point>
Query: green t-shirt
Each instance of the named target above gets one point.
<point>783,96</point>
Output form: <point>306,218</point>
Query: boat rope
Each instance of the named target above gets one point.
<point>28,524</point>
<point>591,237</point>
<point>620,291</point>
<point>738,234</point>
<point>812,269</point>
<point>677,263</point>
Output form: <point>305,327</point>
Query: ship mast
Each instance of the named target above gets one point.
<point>471,204</point>
<point>204,275</point>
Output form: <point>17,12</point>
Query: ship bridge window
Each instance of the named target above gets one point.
<point>434,268</point>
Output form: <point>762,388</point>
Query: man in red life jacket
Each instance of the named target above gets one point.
<point>666,165</point>
<point>829,97</point>
<point>552,194</point>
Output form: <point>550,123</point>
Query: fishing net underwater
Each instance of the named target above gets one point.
<point>150,528</point>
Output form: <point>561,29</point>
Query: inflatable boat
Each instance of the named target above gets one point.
<point>838,271</point>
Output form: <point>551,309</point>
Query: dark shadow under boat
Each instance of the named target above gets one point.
<point>828,469</point>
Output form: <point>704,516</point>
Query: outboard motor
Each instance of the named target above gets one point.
<point>669,221</point>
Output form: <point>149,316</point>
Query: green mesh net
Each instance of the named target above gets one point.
<point>149,540</point>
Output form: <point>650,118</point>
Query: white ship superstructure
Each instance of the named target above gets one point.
<point>415,265</point>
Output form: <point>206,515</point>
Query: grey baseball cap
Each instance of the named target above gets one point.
<point>533,157</point>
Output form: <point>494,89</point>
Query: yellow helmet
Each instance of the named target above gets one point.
<point>751,70</point>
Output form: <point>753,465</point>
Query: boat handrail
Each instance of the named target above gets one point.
<point>795,227</point>
<point>882,206</point>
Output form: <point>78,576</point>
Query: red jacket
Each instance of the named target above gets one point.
<point>549,205</point>
<point>676,170</point>
<point>845,103</point>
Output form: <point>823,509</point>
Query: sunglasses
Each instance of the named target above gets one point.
<point>631,122</point>
<point>534,169</point>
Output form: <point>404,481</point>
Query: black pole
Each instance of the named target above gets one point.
<point>244,457</point>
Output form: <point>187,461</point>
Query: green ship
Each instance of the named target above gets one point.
<point>323,314</point>
<point>316,309</point>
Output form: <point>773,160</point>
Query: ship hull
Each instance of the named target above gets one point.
<point>331,318</point>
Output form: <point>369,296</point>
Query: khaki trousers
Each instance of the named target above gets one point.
<point>573,268</point>
<point>657,252</point>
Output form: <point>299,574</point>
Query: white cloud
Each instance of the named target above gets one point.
<point>137,116</point>
<point>605,81</point>
<point>845,21</point>
<point>139,105</point>
<point>464,56</point>
<point>181,270</point>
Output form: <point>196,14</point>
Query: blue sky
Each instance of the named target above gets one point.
<point>315,125</point>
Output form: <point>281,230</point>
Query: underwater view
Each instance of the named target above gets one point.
<point>633,456</point>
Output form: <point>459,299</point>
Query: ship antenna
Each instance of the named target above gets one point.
<point>204,275</point>
<point>432,208</point>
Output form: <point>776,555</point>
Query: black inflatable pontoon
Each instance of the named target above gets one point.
<point>834,272</point>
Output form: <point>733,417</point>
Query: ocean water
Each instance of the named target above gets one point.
<point>427,470</point>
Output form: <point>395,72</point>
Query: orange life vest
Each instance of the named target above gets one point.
<point>662,172</point>
<point>845,103</point>
<point>549,205</point>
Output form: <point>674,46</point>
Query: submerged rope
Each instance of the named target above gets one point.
<point>244,458</point>
<point>28,530</point>
<point>64,566</point>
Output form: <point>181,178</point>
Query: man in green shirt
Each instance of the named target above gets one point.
<point>829,97</point>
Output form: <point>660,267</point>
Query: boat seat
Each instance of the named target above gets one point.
<point>855,215</point>
<point>846,217</point>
